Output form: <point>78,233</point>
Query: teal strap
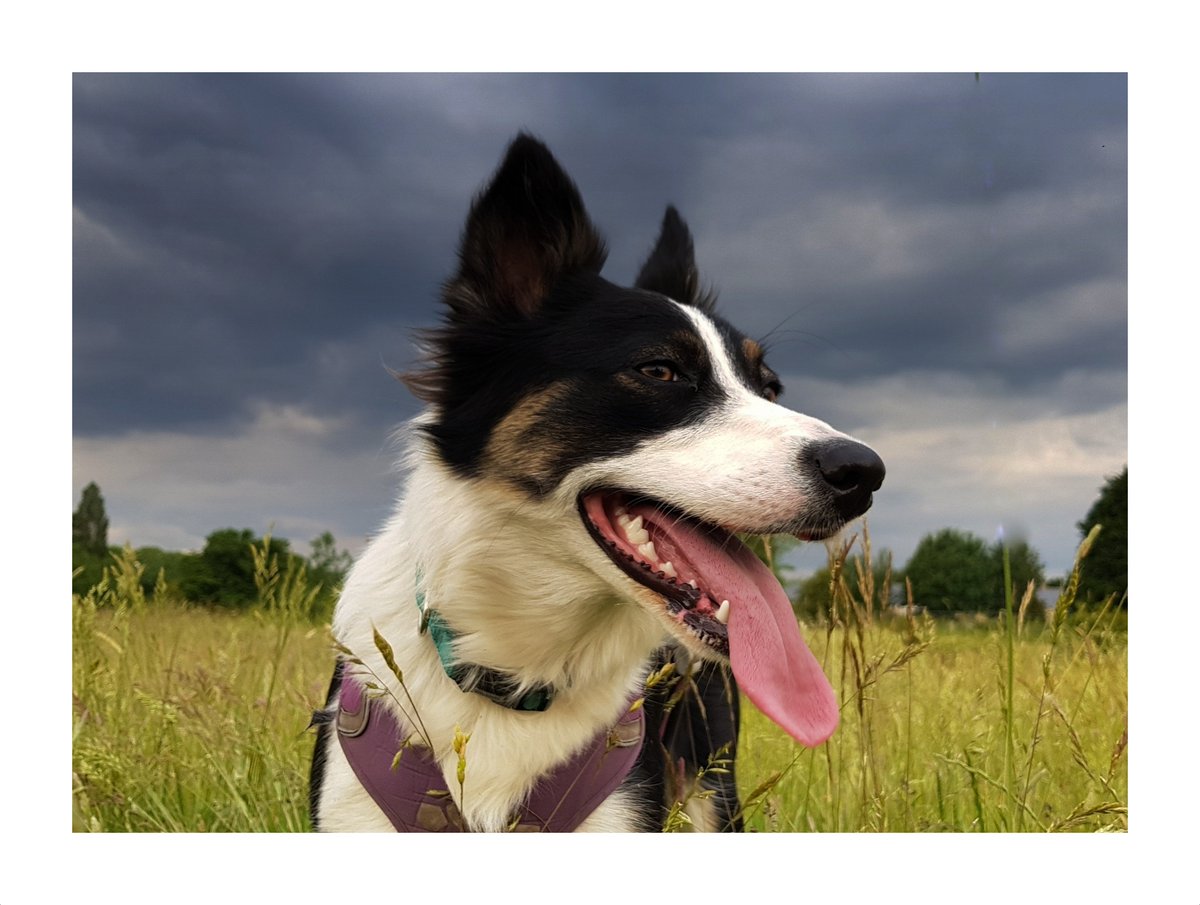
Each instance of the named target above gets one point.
<point>443,639</point>
<point>490,683</point>
<point>439,631</point>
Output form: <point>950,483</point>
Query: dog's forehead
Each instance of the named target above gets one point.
<point>636,318</point>
<point>609,326</point>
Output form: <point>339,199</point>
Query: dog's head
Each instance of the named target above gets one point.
<point>649,414</point>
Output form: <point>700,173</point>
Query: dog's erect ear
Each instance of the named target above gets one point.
<point>671,267</point>
<point>525,230</point>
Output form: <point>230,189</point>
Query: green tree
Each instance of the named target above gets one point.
<point>813,597</point>
<point>223,572</point>
<point>87,569</point>
<point>326,563</point>
<point>1106,570</point>
<point>327,568</point>
<point>813,600</point>
<point>1025,565</point>
<point>953,571</point>
<point>156,560</point>
<point>89,524</point>
<point>89,540</point>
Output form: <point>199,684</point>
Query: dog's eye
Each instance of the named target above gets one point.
<point>659,370</point>
<point>772,390</point>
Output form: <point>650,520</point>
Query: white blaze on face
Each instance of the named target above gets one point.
<point>739,466</point>
<point>756,412</point>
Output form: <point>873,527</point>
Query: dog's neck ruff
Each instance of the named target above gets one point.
<point>493,684</point>
<point>409,787</point>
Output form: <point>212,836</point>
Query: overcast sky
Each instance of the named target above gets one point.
<point>939,262</point>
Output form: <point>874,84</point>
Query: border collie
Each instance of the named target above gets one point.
<point>542,636</point>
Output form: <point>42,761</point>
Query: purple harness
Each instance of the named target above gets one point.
<point>414,794</point>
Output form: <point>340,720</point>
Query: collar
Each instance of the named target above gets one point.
<point>493,684</point>
<point>409,787</point>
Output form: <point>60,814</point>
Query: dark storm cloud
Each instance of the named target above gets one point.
<point>272,238</point>
<point>226,229</point>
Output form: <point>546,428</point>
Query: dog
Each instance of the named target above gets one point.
<point>554,629</point>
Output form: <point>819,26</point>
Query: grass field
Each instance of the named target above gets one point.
<point>190,719</point>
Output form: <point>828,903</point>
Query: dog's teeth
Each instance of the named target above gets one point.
<point>623,518</point>
<point>647,550</point>
<point>669,569</point>
<point>692,582</point>
<point>635,531</point>
<point>722,614</point>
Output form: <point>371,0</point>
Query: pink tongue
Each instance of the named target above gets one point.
<point>770,660</point>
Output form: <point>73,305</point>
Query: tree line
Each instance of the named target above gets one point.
<point>953,571</point>
<point>950,571</point>
<point>221,574</point>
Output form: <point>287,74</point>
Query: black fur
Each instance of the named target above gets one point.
<point>528,310</point>
<point>692,723</point>
<point>323,720</point>
<point>526,230</point>
<point>671,267</point>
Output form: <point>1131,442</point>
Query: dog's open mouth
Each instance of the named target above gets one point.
<point>716,589</point>
<point>647,541</point>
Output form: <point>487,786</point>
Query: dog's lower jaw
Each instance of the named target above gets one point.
<point>475,561</point>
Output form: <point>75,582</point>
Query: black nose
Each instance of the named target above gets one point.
<point>851,471</point>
